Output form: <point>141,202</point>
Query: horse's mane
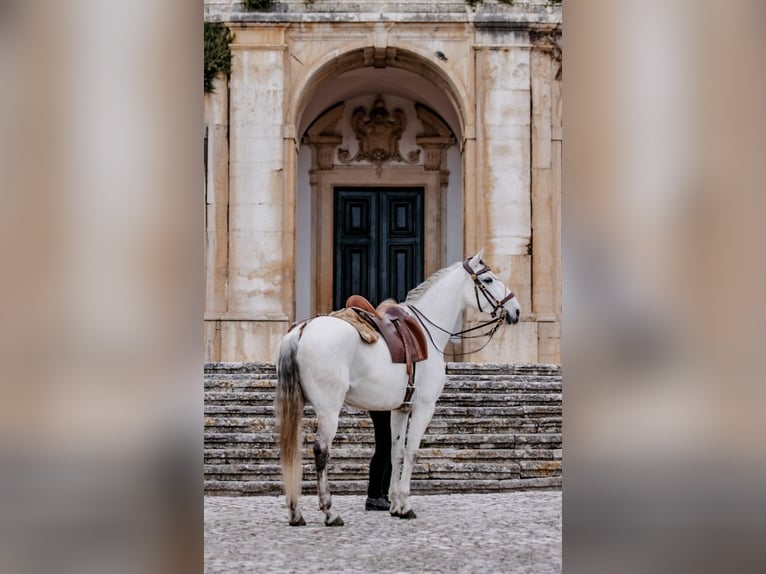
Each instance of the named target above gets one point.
<point>414,295</point>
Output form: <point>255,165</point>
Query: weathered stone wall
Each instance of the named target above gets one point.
<point>494,70</point>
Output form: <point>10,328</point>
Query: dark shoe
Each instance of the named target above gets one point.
<point>377,504</point>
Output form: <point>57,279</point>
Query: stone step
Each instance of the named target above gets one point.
<point>527,390</point>
<point>503,368</point>
<point>350,468</point>
<point>358,470</point>
<point>362,425</point>
<point>510,374</point>
<point>341,465</point>
<point>446,398</point>
<point>482,398</point>
<point>451,406</point>
<point>454,378</point>
<point>451,368</point>
<point>442,411</point>
<point>441,436</point>
<point>234,455</point>
<point>419,487</point>
<point>521,382</point>
<point>495,428</point>
<point>509,440</point>
<point>267,368</point>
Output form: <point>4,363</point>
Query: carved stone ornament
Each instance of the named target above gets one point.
<point>378,135</point>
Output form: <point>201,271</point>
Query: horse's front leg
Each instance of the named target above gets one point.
<point>327,426</point>
<point>398,432</point>
<point>421,416</point>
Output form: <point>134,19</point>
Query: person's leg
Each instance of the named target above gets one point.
<point>386,481</point>
<point>380,465</point>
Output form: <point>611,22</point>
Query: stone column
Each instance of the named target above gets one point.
<point>503,178</point>
<point>216,213</point>
<point>258,254</point>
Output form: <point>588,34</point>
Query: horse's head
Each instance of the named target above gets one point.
<point>486,293</point>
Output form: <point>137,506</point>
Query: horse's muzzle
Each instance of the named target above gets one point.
<point>512,318</point>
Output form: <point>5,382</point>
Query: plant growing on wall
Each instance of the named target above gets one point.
<point>217,52</point>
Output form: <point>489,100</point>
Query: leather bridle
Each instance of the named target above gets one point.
<point>478,285</point>
<point>493,325</point>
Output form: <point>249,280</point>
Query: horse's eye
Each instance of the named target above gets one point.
<point>488,280</point>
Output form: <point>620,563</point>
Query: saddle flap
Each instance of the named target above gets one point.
<point>403,334</point>
<point>420,346</point>
<point>392,312</point>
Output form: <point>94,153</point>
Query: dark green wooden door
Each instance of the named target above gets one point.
<point>378,243</point>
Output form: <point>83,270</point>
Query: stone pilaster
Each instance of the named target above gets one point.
<point>504,158</point>
<point>258,252</point>
<point>546,196</point>
<point>216,208</point>
<point>216,194</point>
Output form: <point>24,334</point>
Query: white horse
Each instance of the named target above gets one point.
<point>325,362</point>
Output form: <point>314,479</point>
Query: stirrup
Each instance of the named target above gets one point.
<point>406,405</point>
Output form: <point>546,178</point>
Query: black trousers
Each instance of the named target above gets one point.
<point>380,465</point>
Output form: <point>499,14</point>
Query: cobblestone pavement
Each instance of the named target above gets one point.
<point>505,532</point>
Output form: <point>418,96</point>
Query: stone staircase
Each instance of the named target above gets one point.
<point>496,428</point>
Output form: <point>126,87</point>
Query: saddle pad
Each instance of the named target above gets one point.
<point>366,331</point>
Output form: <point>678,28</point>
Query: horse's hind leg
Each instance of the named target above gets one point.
<point>327,426</point>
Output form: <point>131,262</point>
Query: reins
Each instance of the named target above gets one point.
<point>494,324</point>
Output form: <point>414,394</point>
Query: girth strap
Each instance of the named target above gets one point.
<point>406,405</point>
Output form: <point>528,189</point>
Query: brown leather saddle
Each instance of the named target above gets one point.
<point>401,332</point>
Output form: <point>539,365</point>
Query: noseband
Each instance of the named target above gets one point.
<point>478,285</point>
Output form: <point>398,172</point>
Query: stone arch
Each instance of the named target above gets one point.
<point>333,65</point>
<point>442,116</point>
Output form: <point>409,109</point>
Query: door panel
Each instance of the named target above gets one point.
<point>378,243</point>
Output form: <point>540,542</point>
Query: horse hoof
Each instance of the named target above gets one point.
<point>410,514</point>
<point>299,522</point>
<point>337,522</point>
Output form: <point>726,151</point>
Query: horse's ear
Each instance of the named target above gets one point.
<point>476,259</point>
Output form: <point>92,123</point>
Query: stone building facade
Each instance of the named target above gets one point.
<point>337,112</point>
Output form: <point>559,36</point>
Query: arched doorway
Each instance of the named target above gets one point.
<point>379,185</point>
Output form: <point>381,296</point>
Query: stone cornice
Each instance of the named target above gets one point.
<point>513,20</point>
<point>268,318</point>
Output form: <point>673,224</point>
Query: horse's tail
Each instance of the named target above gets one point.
<point>289,407</point>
